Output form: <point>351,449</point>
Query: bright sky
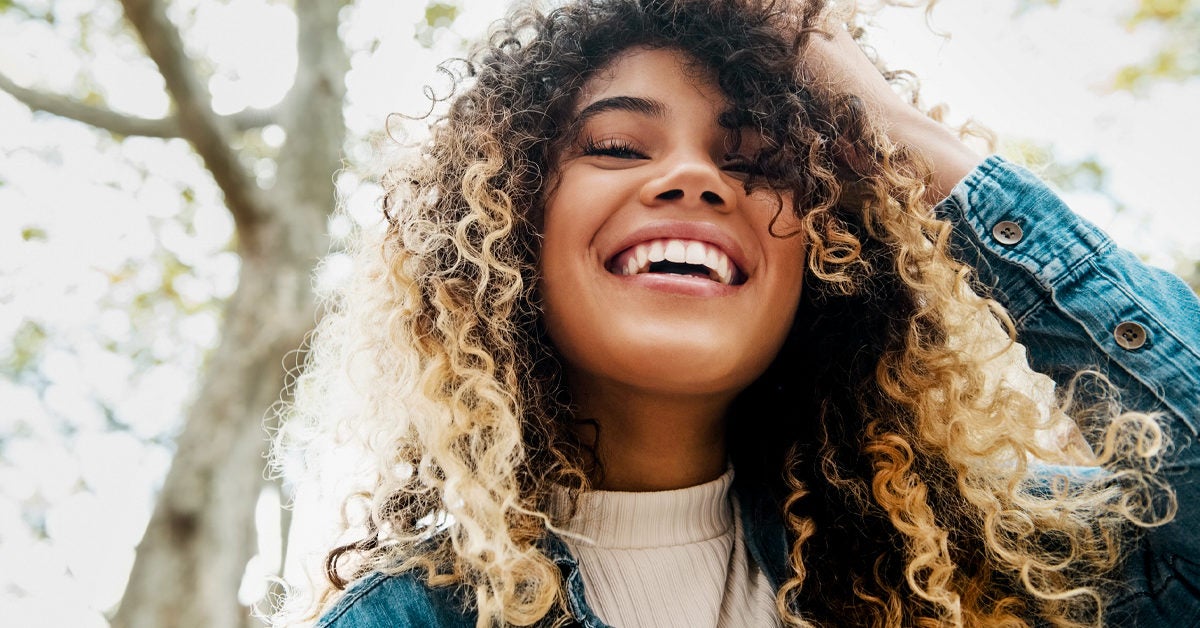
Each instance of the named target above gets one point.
<point>1045,78</point>
<point>107,206</point>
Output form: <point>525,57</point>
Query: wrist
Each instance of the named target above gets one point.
<point>950,159</point>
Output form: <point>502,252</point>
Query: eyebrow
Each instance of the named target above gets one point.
<point>635,104</point>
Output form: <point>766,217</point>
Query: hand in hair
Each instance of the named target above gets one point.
<point>834,61</point>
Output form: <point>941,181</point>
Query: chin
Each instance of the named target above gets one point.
<point>720,387</point>
<point>679,371</point>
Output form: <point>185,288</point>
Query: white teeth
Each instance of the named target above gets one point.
<point>713,258</point>
<point>719,267</point>
<point>658,251</point>
<point>676,251</point>
<point>640,257</point>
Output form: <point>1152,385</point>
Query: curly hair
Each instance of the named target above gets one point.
<point>902,448</point>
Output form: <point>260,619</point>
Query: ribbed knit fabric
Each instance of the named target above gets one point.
<point>669,558</point>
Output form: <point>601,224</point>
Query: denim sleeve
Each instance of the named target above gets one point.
<point>1069,289</point>
<point>398,601</point>
<point>1080,302</point>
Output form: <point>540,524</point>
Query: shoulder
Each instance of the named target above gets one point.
<point>403,600</point>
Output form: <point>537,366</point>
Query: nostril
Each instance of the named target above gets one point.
<point>671,195</point>
<point>711,198</point>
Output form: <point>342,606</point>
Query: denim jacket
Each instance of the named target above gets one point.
<point>1078,302</point>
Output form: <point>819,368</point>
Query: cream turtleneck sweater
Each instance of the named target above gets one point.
<point>669,558</point>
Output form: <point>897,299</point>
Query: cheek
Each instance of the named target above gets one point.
<point>570,210</point>
<point>789,261</point>
<point>781,233</point>
<point>795,252</point>
<point>563,264</point>
<point>790,257</point>
<point>785,222</point>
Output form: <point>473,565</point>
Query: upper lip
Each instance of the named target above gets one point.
<point>684,230</point>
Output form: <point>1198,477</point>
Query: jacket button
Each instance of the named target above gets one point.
<point>1007,232</point>
<point>1130,335</point>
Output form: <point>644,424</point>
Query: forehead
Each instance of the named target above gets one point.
<point>663,74</point>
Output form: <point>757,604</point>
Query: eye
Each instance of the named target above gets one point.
<point>740,165</point>
<point>618,148</point>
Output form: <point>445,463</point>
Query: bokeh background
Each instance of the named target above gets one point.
<point>167,175</point>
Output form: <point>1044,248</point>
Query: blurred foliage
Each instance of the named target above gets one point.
<point>1191,274</point>
<point>1027,5</point>
<point>439,15</point>
<point>1088,174</point>
<point>1162,10</point>
<point>111,358</point>
<point>1177,57</point>
<point>18,7</point>
<point>25,348</point>
<point>32,233</point>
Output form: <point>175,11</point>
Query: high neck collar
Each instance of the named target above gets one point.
<point>628,520</point>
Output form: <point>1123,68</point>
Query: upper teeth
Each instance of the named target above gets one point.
<point>637,259</point>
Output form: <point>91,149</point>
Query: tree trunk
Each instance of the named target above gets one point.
<point>193,555</point>
<point>192,558</point>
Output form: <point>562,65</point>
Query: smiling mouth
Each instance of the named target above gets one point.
<point>676,256</point>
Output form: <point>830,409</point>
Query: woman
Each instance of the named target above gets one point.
<point>643,228</point>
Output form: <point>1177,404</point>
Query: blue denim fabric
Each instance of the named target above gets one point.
<point>401,601</point>
<point>1067,287</point>
<point>406,601</point>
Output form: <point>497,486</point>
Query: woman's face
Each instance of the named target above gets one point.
<point>659,272</point>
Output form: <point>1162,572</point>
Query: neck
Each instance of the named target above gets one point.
<point>653,441</point>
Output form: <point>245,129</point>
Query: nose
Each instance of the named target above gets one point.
<point>691,179</point>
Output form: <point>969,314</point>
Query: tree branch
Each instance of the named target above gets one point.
<point>312,116</point>
<point>108,119</point>
<point>208,133</point>
<point>247,119</point>
<point>122,123</point>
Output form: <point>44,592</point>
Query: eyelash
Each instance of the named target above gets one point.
<point>611,148</point>
<point>741,165</point>
<point>623,149</point>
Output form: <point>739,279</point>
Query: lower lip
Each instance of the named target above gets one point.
<point>683,285</point>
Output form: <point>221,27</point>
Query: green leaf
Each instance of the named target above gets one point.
<point>440,14</point>
<point>27,344</point>
<point>1160,10</point>
<point>31,234</point>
